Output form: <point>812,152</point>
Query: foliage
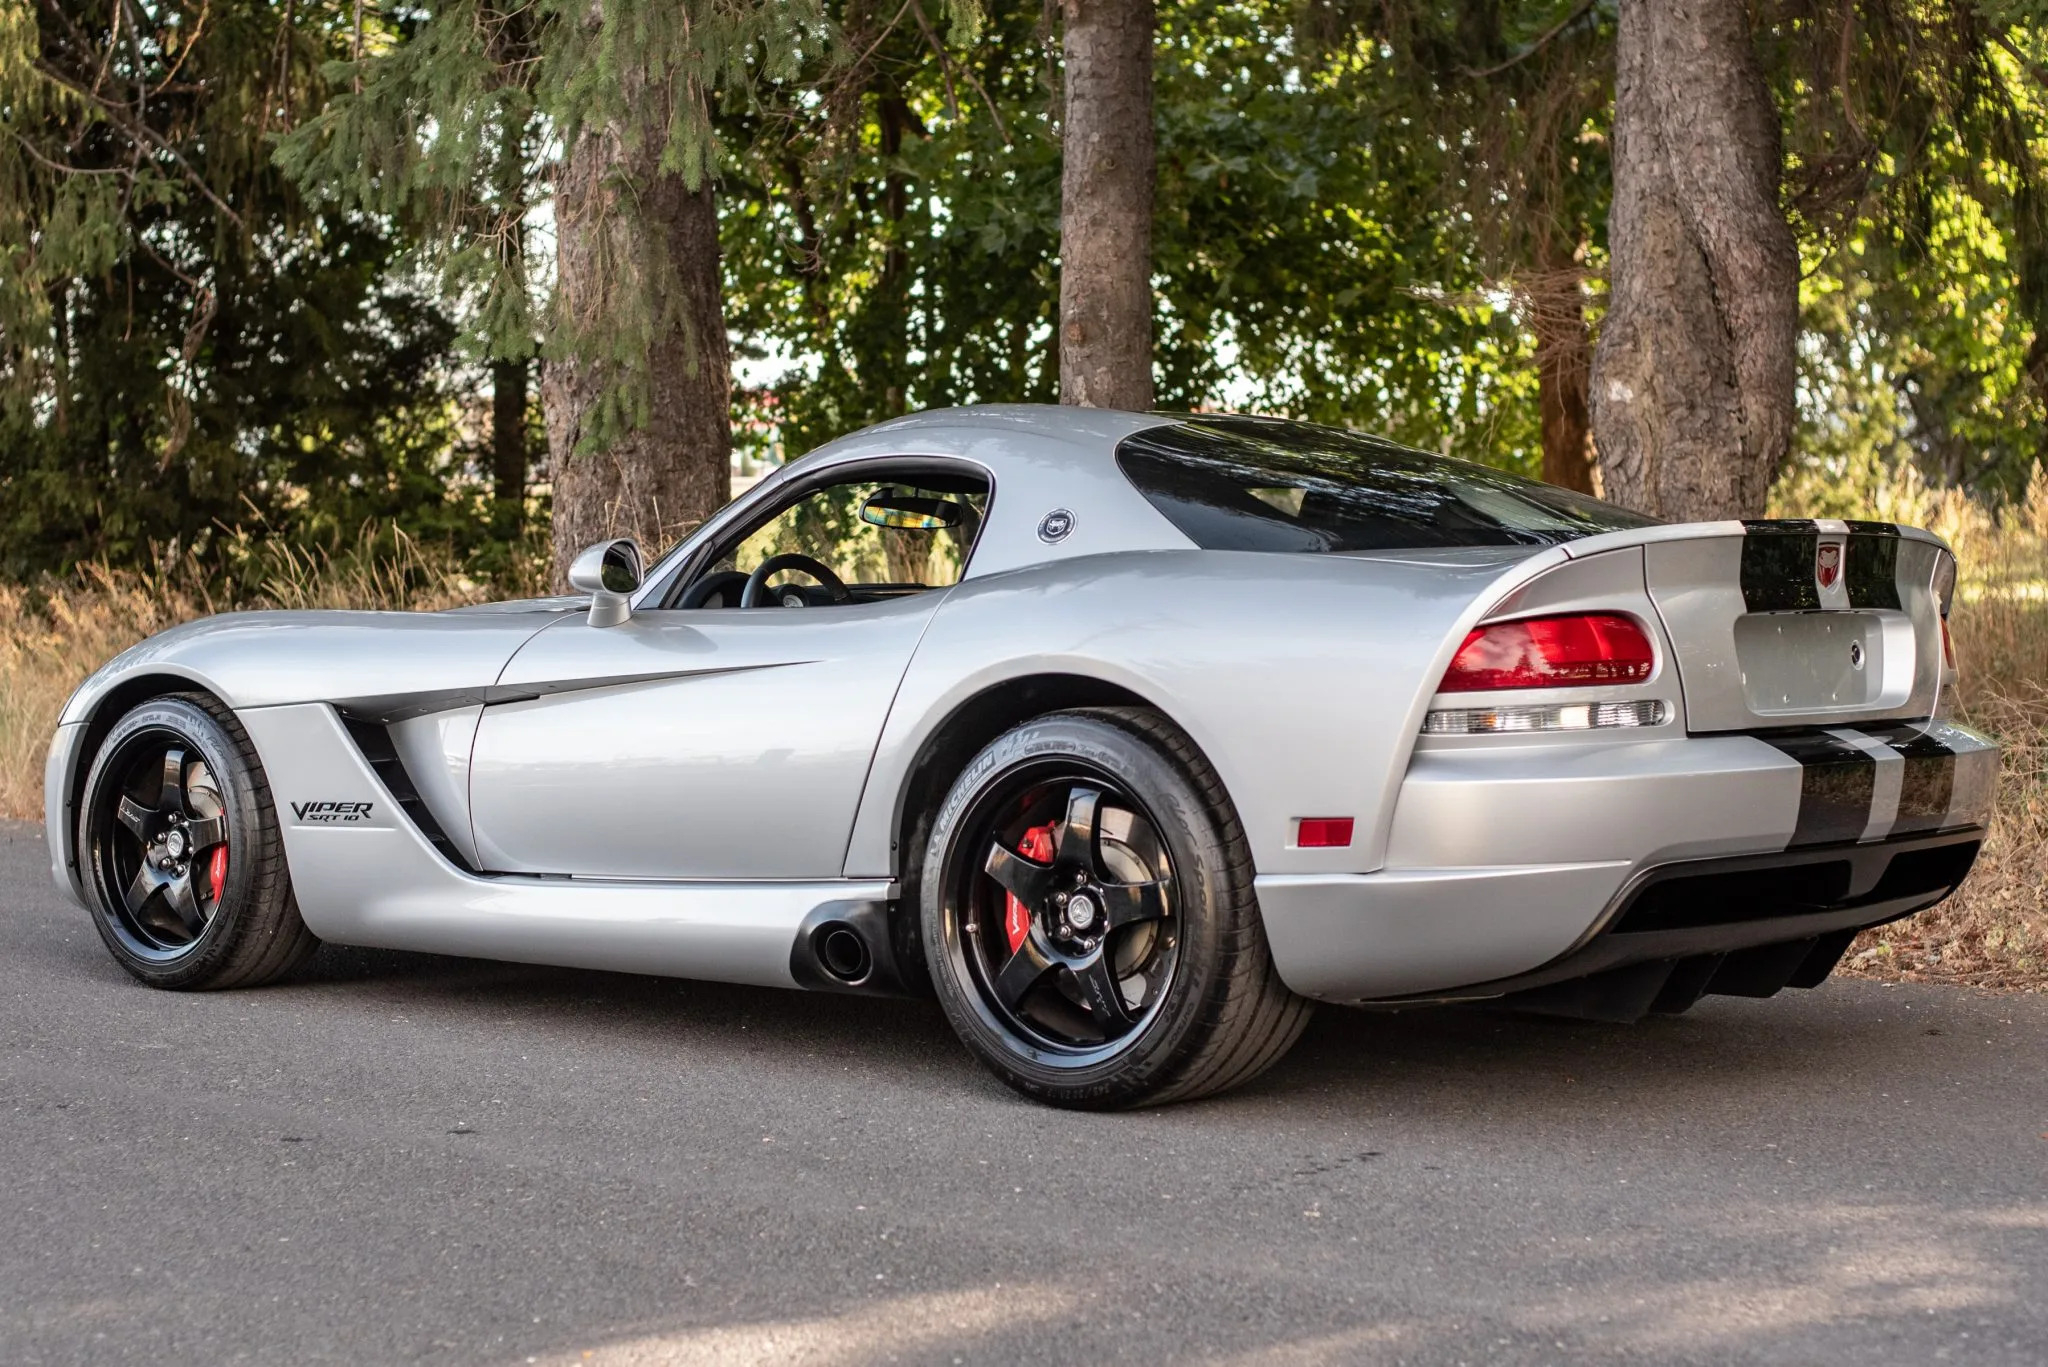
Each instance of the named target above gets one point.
<point>451,123</point>
<point>1357,204</point>
<point>182,338</point>
<point>892,241</point>
<point>433,124</point>
<point>1915,141</point>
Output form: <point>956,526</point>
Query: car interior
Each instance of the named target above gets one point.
<point>853,541</point>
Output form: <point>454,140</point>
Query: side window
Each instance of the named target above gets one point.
<point>882,538</point>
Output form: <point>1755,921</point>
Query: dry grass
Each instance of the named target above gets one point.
<point>52,634</point>
<point>1995,932</point>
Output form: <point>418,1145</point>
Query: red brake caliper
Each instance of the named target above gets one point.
<point>1037,844</point>
<point>217,871</point>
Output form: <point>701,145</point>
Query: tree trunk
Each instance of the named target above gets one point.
<point>508,439</point>
<point>620,221</point>
<point>1693,377</point>
<point>1564,363</point>
<point>1106,206</point>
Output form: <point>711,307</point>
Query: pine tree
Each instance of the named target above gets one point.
<point>184,340</point>
<point>635,379</point>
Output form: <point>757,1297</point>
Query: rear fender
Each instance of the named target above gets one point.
<point>1303,679</point>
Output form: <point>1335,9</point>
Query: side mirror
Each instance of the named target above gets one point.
<point>608,572</point>
<point>909,512</point>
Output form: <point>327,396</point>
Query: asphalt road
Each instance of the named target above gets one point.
<point>404,1158</point>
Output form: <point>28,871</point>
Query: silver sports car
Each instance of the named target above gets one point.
<point>1127,736</point>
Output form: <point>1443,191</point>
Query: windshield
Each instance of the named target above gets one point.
<point>1265,484</point>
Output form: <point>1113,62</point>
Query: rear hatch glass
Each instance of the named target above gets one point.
<point>1265,484</point>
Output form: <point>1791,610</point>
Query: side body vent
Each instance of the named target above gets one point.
<point>374,740</point>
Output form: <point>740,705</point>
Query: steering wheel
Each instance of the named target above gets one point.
<point>757,582</point>
<point>725,586</point>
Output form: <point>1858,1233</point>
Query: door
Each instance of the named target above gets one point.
<point>718,741</point>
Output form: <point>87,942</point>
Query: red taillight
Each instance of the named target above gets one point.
<point>1948,646</point>
<point>1324,832</point>
<point>1552,652</point>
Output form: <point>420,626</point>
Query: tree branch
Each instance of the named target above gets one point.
<point>128,123</point>
<point>946,68</point>
<point>1530,51</point>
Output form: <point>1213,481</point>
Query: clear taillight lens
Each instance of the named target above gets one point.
<point>1577,716</point>
<point>1552,652</point>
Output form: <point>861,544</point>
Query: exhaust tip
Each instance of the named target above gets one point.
<point>843,952</point>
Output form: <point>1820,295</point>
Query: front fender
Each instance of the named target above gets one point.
<point>386,662</point>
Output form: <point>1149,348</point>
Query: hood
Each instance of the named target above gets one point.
<point>559,603</point>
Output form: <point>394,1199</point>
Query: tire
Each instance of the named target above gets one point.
<point>1039,901</point>
<point>171,911</point>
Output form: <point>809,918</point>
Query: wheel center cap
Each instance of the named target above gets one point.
<point>174,842</point>
<point>1080,911</point>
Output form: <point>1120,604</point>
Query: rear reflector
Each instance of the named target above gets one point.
<point>1551,652</point>
<point>1582,716</point>
<point>1324,832</point>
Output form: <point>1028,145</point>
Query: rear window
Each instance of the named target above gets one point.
<point>1265,484</point>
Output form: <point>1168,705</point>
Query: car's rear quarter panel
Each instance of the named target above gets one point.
<point>1298,676</point>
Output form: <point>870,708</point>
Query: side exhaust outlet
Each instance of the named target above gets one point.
<point>844,947</point>
<point>842,952</point>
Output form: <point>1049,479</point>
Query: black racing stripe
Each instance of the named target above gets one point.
<point>1928,783</point>
<point>1873,568</point>
<point>1780,524</point>
<point>1837,785</point>
<point>1890,529</point>
<point>1777,567</point>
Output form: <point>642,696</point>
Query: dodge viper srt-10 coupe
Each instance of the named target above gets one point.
<point>1127,736</point>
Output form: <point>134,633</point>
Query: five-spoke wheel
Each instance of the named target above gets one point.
<point>1089,921</point>
<point>1070,915</point>
<point>169,854</point>
<point>180,850</point>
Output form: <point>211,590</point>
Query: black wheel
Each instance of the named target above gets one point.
<point>1089,917</point>
<point>179,845</point>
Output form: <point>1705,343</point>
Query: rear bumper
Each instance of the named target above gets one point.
<point>1745,926</point>
<point>1516,868</point>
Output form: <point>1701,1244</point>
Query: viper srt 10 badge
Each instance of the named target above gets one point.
<point>332,813</point>
<point>1827,563</point>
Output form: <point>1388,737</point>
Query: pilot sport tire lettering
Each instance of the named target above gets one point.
<point>180,851</point>
<point>1089,919</point>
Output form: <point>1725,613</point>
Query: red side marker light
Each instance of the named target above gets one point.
<point>1551,652</point>
<point>1324,832</point>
